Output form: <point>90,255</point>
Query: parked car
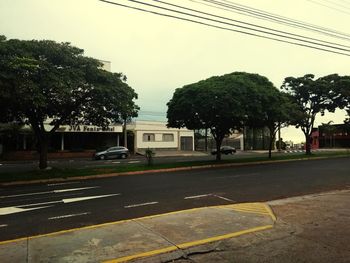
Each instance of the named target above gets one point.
<point>112,153</point>
<point>225,150</point>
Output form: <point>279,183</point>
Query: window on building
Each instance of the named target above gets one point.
<point>168,137</point>
<point>148,137</point>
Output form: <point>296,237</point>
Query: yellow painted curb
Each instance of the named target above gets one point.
<point>188,244</point>
<point>268,208</point>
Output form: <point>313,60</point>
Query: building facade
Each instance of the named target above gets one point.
<point>157,136</point>
<point>82,140</point>
<point>331,136</point>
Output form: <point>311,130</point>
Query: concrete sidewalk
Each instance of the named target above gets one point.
<point>149,238</point>
<point>312,228</point>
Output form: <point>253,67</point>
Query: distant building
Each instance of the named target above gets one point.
<point>331,136</point>
<point>257,139</point>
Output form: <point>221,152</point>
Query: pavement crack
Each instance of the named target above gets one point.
<point>194,253</point>
<point>162,236</point>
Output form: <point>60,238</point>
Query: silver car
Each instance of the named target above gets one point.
<point>112,153</point>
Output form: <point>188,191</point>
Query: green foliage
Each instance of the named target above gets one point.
<point>220,103</point>
<point>312,96</point>
<point>47,81</point>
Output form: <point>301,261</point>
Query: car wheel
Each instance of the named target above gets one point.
<point>103,157</point>
<point>123,156</point>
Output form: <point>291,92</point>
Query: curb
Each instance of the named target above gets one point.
<point>209,166</point>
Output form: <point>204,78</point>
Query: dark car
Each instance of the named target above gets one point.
<point>112,153</point>
<point>225,150</point>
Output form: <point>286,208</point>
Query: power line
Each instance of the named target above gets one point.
<point>260,14</point>
<point>345,1</point>
<point>328,6</point>
<point>225,28</point>
<point>254,25</point>
<point>336,4</point>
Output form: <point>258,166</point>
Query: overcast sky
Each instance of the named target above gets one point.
<point>159,54</point>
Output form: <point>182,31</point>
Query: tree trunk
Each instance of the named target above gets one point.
<point>271,139</point>
<point>270,147</point>
<point>43,144</point>
<point>307,144</point>
<point>206,140</point>
<point>218,152</point>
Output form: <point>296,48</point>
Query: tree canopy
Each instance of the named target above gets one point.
<point>220,103</point>
<point>312,96</point>
<point>45,81</point>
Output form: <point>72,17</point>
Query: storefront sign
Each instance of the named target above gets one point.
<point>89,128</point>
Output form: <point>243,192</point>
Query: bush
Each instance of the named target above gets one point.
<point>149,156</point>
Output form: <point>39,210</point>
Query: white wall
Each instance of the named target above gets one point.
<point>158,129</point>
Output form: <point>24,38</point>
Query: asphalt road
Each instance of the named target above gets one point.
<point>38,209</point>
<point>21,166</point>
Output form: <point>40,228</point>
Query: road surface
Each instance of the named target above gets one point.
<point>38,209</point>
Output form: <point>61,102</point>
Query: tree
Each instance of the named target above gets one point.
<point>329,131</point>
<point>219,103</point>
<point>342,88</point>
<point>47,82</point>
<point>311,96</point>
<point>275,113</point>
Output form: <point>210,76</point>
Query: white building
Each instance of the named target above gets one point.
<point>156,135</point>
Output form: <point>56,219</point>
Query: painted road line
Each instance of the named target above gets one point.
<point>19,208</point>
<point>255,208</point>
<point>36,204</point>
<point>224,198</point>
<point>115,162</point>
<point>188,244</point>
<point>56,184</point>
<point>39,193</point>
<point>77,199</point>
<point>50,192</point>
<point>66,216</point>
<point>4,225</point>
<point>197,196</point>
<point>74,189</point>
<point>134,161</point>
<point>143,204</point>
<point>13,210</point>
